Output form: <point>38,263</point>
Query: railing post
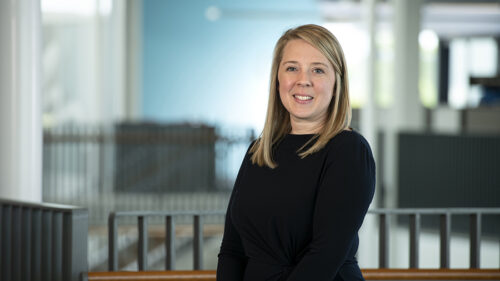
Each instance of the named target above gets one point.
<point>75,243</point>
<point>6,245</point>
<point>57,246</point>
<point>170,243</point>
<point>46,245</point>
<point>26,233</point>
<point>445,240</point>
<point>36,248</point>
<point>383,243</point>
<point>142,246</point>
<point>1,240</point>
<point>198,243</point>
<point>15,227</point>
<point>112,243</point>
<point>475,240</point>
<point>414,239</point>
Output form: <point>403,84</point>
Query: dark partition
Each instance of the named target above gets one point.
<point>162,158</point>
<point>42,241</point>
<point>440,171</point>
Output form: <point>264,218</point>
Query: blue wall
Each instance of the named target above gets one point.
<point>217,72</point>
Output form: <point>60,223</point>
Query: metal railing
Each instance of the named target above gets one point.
<point>142,244</point>
<point>384,216</point>
<point>42,241</point>
<point>445,215</point>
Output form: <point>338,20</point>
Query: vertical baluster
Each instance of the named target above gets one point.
<point>475,240</point>
<point>112,243</point>
<point>45,164</point>
<point>16,243</point>
<point>26,244</point>
<point>383,241</point>
<point>198,243</point>
<point>170,243</point>
<point>86,152</point>
<point>445,240</point>
<point>75,241</point>
<point>414,239</point>
<point>101,150</point>
<point>36,245</point>
<point>52,184</point>
<point>6,242</point>
<point>70,165</point>
<point>57,240</point>
<point>63,187</point>
<point>46,245</point>
<point>58,164</point>
<point>77,160</point>
<point>1,235</point>
<point>143,243</point>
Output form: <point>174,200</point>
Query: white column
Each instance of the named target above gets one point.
<point>20,100</point>
<point>407,112</point>
<point>133,60</point>
<point>368,125</point>
<point>407,107</point>
<point>368,111</point>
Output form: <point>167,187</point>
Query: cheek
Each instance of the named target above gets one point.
<point>282,96</point>
<point>328,89</point>
<point>284,83</point>
<point>282,91</point>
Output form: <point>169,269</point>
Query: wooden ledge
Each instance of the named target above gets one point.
<point>184,275</point>
<point>431,274</point>
<point>369,274</point>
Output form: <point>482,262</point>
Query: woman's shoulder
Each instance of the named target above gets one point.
<point>252,143</point>
<point>348,141</point>
<point>250,150</point>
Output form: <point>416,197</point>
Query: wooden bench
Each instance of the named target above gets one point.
<point>369,274</point>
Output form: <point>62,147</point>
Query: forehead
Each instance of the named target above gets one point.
<point>299,50</point>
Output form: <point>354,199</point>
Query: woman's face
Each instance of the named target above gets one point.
<point>306,80</point>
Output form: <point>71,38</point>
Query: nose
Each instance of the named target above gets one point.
<point>304,79</point>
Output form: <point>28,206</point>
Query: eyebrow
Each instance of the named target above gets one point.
<point>315,63</point>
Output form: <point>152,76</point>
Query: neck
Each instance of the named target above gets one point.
<point>303,128</point>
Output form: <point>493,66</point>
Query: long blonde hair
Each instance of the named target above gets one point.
<point>278,124</point>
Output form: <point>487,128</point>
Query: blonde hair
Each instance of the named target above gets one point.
<point>277,124</point>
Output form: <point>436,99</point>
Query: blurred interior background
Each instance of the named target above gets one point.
<point>151,104</point>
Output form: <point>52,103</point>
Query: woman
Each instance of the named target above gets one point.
<point>305,184</point>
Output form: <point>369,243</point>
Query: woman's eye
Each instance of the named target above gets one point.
<point>291,68</point>
<point>318,70</point>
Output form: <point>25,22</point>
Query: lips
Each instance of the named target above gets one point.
<point>303,99</point>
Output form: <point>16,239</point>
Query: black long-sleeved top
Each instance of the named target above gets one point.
<point>299,221</point>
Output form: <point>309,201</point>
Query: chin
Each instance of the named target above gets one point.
<point>302,117</point>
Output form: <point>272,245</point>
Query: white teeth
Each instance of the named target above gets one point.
<point>303,97</point>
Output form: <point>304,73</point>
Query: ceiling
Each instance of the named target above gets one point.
<point>449,19</point>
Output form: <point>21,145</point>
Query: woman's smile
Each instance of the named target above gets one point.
<point>303,99</point>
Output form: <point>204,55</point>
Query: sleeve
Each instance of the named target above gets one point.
<point>232,258</point>
<point>345,192</point>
